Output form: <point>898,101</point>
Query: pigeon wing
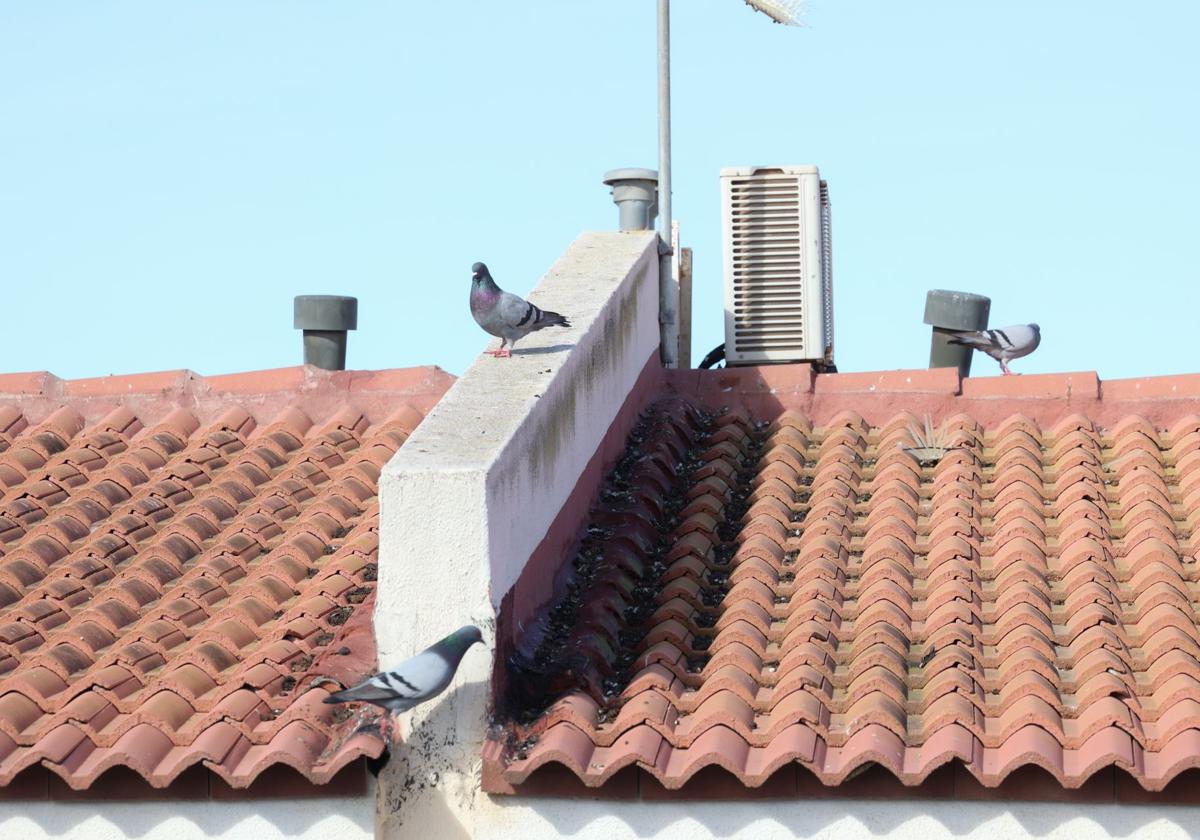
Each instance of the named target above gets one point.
<point>1017,338</point>
<point>999,340</point>
<point>515,312</point>
<point>521,317</point>
<point>981,340</point>
<point>1004,343</point>
<point>994,343</point>
<point>408,684</point>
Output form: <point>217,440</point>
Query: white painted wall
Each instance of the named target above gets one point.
<point>535,819</point>
<point>474,490</point>
<point>344,818</point>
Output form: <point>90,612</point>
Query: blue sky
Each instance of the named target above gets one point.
<point>172,173</point>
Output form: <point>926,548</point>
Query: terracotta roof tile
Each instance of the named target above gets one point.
<point>175,570</point>
<point>796,588</point>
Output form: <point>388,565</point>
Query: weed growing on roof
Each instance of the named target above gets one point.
<point>930,445</point>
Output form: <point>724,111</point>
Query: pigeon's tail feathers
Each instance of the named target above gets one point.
<point>339,697</point>
<point>351,695</point>
<point>553,319</point>
<point>538,319</point>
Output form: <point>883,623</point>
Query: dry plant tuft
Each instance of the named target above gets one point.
<point>930,445</point>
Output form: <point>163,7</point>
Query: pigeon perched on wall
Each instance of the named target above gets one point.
<point>1003,345</point>
<point>415,680</point>
<point>506,315</point>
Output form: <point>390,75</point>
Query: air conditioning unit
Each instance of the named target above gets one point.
<point>778,265</point>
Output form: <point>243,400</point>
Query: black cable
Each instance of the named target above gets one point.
<point>717,354</point>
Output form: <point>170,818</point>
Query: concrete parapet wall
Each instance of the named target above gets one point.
<point>475,490</point>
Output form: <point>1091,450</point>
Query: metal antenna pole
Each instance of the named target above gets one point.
<point>664,118</point>
<point>668,303</point>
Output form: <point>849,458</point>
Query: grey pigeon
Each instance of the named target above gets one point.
<point>1004,344</point>
<point>506,315</point>
<point>415,680</point>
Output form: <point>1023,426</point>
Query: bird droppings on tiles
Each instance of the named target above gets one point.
<point>555,651</point>
<point>359,594</point>
<point>826,581</point>
<point>339,616</point>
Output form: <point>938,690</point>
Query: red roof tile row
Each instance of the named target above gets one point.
<point>751,595</point>
<point>177,565</point>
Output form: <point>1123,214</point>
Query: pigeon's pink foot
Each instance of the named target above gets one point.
<point>387,729</point>
<point>503,354</point>
<point>492,352</point>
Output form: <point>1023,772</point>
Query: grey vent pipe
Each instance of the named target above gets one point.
<point>325,320</point>
<point>946,311</point>
<point>635,192</point>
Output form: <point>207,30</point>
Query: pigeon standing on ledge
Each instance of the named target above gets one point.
<point>1004,344</point>
<point>506,315</point>
<point>415,680</point>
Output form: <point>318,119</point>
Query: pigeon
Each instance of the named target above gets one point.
<point>415,680</point>
<point>1003,345</point>
<point>506,315</point>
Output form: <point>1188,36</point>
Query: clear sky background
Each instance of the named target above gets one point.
<point>172,173</point>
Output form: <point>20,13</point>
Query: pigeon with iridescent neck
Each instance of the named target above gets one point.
<point>415,680</point>
<point>506,315</point>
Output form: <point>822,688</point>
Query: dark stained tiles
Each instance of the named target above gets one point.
<point>180,558</point>
<point>755,593</point>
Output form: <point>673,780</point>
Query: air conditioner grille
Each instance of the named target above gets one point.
<point>777,264</point>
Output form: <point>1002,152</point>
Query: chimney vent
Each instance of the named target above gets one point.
<point>635,192</point>
<point>325,319</point>
<point>945,310</point>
